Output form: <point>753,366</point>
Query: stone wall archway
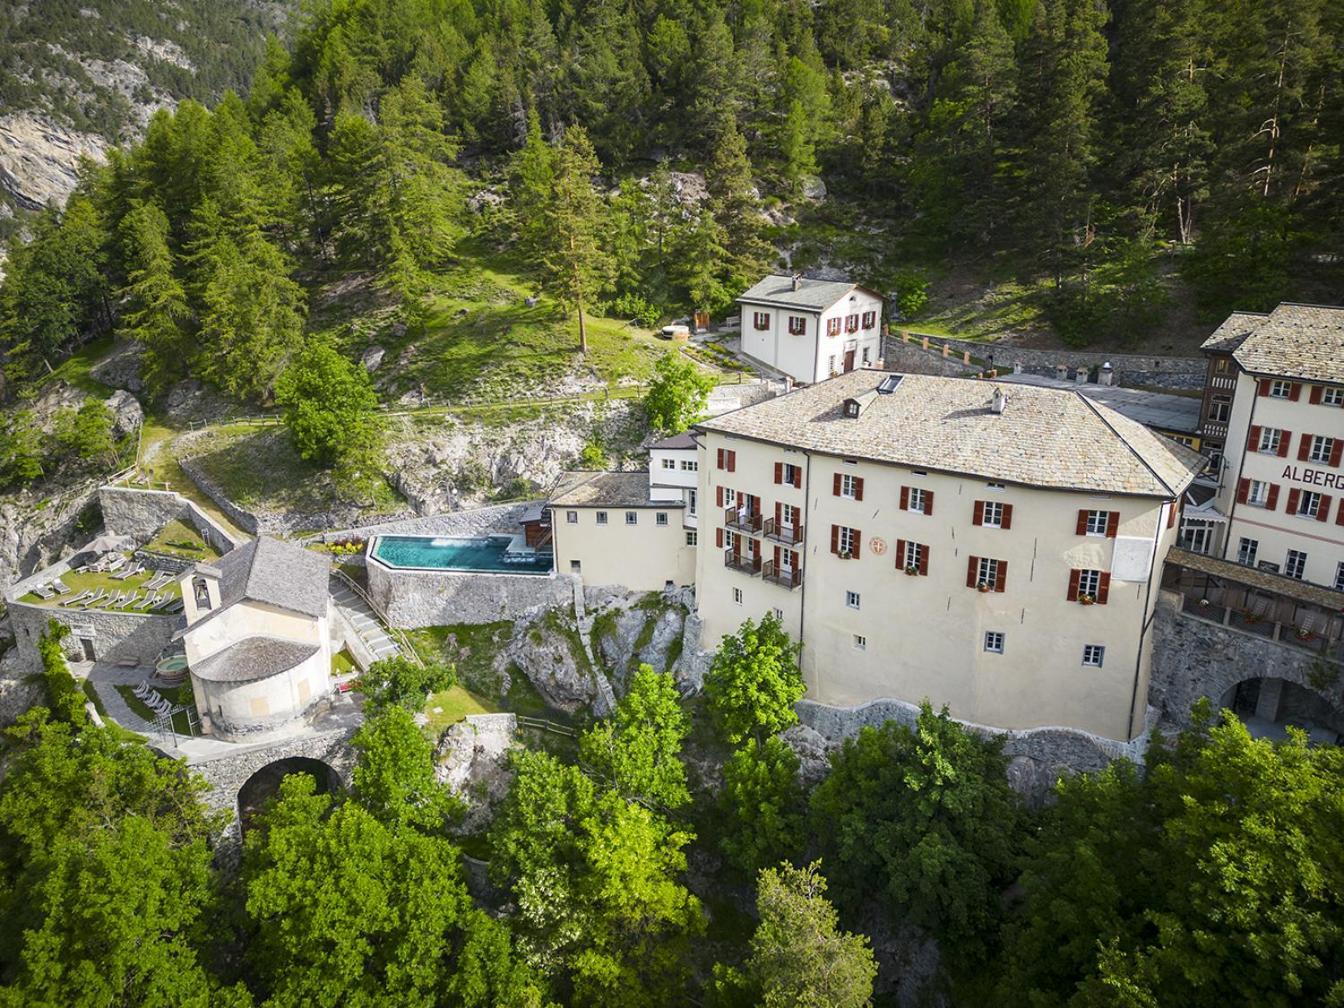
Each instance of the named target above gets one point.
<point>264,784</point>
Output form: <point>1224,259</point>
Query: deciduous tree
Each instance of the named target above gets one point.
<point>678,394</point>
<point>637,751</point>
<point>330,408</point>
<point>754,682</point>
<point>763,804</point>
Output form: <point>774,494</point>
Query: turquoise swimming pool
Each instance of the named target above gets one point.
<point>481,555</point>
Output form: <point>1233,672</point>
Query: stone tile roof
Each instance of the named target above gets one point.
<point>1051,438</point>
<point>606,489</point>
<point>1234,330</point>
<point>676,442</point>
<point>812,295</point>
<point>1161,410</point>
<point>1297,341</point>
<point>253,658</point>
<point>277,573</point>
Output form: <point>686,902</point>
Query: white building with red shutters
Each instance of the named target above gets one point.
<point>995,548</point>
<point>811,329</point>
<point>1281,485</point>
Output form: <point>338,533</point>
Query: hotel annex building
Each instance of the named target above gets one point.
<point>991,547</point>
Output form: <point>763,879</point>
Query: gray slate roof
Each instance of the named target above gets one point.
<point>252,658</point>
<point>1233,332</point>
<point>812,295</point>
<point>1152,409</point>
<point>1052,438</point>
<point>277,573</point>
<point>676,442</point>
<point>1297,341</point>
<point>606,489</point>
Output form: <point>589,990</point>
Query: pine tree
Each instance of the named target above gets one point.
<point>575,265</point>
<point>737,209</point>
<point>156,314</point>
<point>531,180</point>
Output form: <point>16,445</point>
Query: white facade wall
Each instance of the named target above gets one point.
<point>644,556</point>
<point>1276,531</point>
<point>813,356</point>
<point>924,636</point>
<point>238,710</point>
<point>673,474</point>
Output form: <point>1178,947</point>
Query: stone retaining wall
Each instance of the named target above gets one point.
<point>912,358</point>
<point>141,513</point>
<point>1130,369</point>
<point>1194,658</point>
<point>443,598</point>
<point>498,518</point>
<point>116,636</point>
<point>245,520</point>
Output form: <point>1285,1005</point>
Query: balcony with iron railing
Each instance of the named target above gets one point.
<point>785,577</point>
<point>789,535</point>
<point>744,562</point>
<point>742,521</point>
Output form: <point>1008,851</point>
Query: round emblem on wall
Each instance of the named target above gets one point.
<point>878,545</point>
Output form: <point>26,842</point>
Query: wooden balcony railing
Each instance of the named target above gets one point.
<point>744,562</point>
<point>789,535</point>
<point>790,577</point>
<point>742,522</point>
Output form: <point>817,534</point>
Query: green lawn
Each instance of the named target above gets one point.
<point>77,370</point>
<point>98,579</point>
<point>180,720</point>
<point>342,663</point>
<point>447,707</point>
<point>178,539</point>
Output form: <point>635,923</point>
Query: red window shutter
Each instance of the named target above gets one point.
<point>777,552</point>
<point>835,485</point>
<point>1323,512</point>
<point>928,502</point>
<point>1263,390</point>
<point>1293,497</point>
<point>779,514</point>
<point>1075,576</point>
<point>900,554</point>
<point>978,518</point>
<point>1336,452</point>
<point>1294,391</point>
<point>718,496</point>
<point>1103,588</point>
<point>1002,577</point>
<point>718,538</point>
<point>1007,516</point>
<point>1284,438</point>
<point>1273,497</point>
<point>1172,513</point>
<point>1253,438</point>
<point>1316,391</point>
<point>755,549</point>
<point>1304,449</point>
<point>905,498</point>
<point>732,460</point>
<point>1243,490</point>
<point>798,477</point>
<point>971,564</point>
<point>858,542</point>
<point>858,488</point>
<point>924,560</point>
<point>779,472</point>
<point>1112,523</point>
<point>718,457</point>
<point>835,539</point>
<point>1339,520</point>
<point>1081,528</point>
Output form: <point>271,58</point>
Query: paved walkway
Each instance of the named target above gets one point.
<point>365,621</point>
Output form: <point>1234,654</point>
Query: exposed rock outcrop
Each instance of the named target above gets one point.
<point>39,158</point>
<point>546,648</point>
<point>471,759</point>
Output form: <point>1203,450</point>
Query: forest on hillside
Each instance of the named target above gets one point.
<point>1093,150</point>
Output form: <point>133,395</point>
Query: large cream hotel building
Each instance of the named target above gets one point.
<point>993,548</point>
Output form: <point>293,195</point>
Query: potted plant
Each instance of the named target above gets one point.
<point>1303,634</point>
<point>1086,599</point>
<point>911,569</point>
<point>846,555</point>
<point>983,586</point>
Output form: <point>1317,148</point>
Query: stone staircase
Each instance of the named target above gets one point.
<point>364,621</point>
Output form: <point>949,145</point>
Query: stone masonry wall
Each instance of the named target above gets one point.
<point>1130,369</point>
<point>912,358</point>
<point>245,520</point>
<point>1194,658</point>
<point>434,598</point>
<point>116,636</point>
<point>141,513</point>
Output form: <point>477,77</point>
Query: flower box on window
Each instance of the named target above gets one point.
<point>1087,599</point>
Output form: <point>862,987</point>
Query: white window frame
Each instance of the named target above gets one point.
<point>1089,582</point>
<point>914,552</point>
<point>1295,564</point>
<point>846,540</point>
<point>797,325</point>
<point>1270,439</point>
<point>789,473</point>
<point>692,500</point>
<point>777,613</point>
<point>760,321</point>
<point>692,537</point>
<point>669,463</point>
<point>869,319</point>
<point>867,355</point>
<point>1321,447</point>
<point>737,596</point>
<point>1097,523</point>
<point>852,599</point>
<point>1258,494</point>
<point>991,514</point>
<point>1308,504</point>
<point>729,497</point>
<point>1339,576</point>
<point>632,517</point>
<point>660,518</point>
<point>571,517</point>
<point>601,517</point>
<point>915,501</point>
<point>1332,395</point>
<point>830,364</point>
<point>848,486</point>
<point>860,642</point>
<point>987,572</point>
<point>788,515</point>
<point>1247,550</point>
<point>1280,389</point>
<point>994,641</point>
<point>690,465</point>
<point>1220,408</point>
<point>1094,655</point>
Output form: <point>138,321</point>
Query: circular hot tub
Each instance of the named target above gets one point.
<point>172,669</point>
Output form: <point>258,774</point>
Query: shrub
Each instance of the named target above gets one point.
<point>912,293</point>
<point>635,307</point>
<point>63,693</point>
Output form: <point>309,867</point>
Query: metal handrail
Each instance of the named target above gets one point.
<point>734,519</point>
<point>395,632</point>
<point>789,535</point>
<point>744,562</point>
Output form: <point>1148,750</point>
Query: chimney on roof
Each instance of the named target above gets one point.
<point>797,280</point>
<point>1106,374</point>
<point>1061,372</point>
<point>999,401</point>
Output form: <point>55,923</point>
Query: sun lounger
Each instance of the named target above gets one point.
<point>176,607</point>
<point>97,597</point>
<point>75,600</point>
<point>116,563</point>
<point>135,597</point>
<point>128,573</point>
<point>43,592</point>
<point>60,587</point>
<point>163,601</point>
